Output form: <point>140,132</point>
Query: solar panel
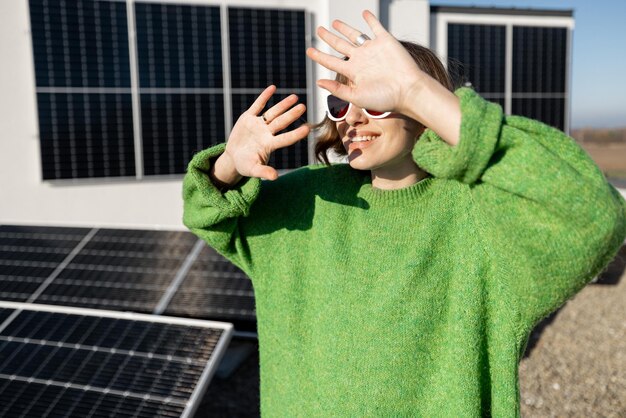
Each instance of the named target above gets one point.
<point>267,47</point>
<point>120,269</point>
<point>179,46</point>
<point>29,255</point>
<point>85,135</point>
<point>481,51</point>
<point>57,361</point>
<point>539,73</point>
<point>80,45</point>
<point>215,288</point>
<point>176,126</point>
<point>169,272</point>
<point>539,59</point>
<point>547,110</point>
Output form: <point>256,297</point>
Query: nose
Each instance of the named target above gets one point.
<point>355,116</point>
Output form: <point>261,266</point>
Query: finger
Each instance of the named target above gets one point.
<point>335,64</point>
<point>291,137</point>
<point>264,172</point>
<point>336,88</point>
<point>346,30</point>
<point>374,23</point>
<point>338,44</point>
<point>287,118</point>
<point>281,107</point>
<point>262,100</point>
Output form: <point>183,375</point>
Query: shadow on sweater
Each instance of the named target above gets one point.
<point>291,199</point>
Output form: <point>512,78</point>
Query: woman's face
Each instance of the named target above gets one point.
<point>389,141</point>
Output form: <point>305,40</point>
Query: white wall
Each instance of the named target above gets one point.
<point>409,20</point>
<point>146,203</point>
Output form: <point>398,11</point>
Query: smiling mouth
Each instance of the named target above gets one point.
<point>363,138</point>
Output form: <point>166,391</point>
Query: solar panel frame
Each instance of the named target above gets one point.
<point>207,372</point>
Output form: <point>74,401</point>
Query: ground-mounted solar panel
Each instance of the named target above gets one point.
<point>129,270</point>
<point>30,255</point>
<point>120,270</point>
<point>215,288</point>
<point>161,272</point>
<point>267,47</point>
<point>57,361</point>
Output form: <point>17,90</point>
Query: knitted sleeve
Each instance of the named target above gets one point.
<point>216,217</point>
<point>549,219</point>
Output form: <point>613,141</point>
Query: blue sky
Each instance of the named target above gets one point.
<point>599,56</point>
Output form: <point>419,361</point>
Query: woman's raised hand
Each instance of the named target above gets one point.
<point>382,73</point>
<point>253,139</point>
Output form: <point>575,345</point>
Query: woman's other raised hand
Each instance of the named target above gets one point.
<point>381,72</point>
<point>254,137</point>
<point>384,77</point>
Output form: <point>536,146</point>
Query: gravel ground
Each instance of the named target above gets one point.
<point>575,362</point>
<point>577,368</point>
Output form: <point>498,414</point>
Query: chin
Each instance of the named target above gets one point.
<point>359,163</point>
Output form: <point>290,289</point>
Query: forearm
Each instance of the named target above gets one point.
<point>435,107</point>
<point>223,173</point>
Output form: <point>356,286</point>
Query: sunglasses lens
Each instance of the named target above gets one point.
<point>374,112</point>
<point>337,107</point>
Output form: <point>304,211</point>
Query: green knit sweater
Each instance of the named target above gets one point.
<point>417,301</point>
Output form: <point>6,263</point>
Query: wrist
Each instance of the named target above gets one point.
<point>223,172</point>
<point>436,107</point>
<point>412,93</point>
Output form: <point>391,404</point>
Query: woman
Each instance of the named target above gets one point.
<point>406,282</point>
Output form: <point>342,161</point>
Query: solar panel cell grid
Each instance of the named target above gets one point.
<point>76,43</point>
<point>176,126</point>
<point>86,135</point>
<point>179,46</point>
<point>129,270</point>
<point>539,59</point>
<point>120,269</point>
<point>55,362</point>
<point>550,111</point>
<point>39,400</point>
<point>481,50</point>
<point>266,47</point>
<point>28,255</point>
<point>214,288</point>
